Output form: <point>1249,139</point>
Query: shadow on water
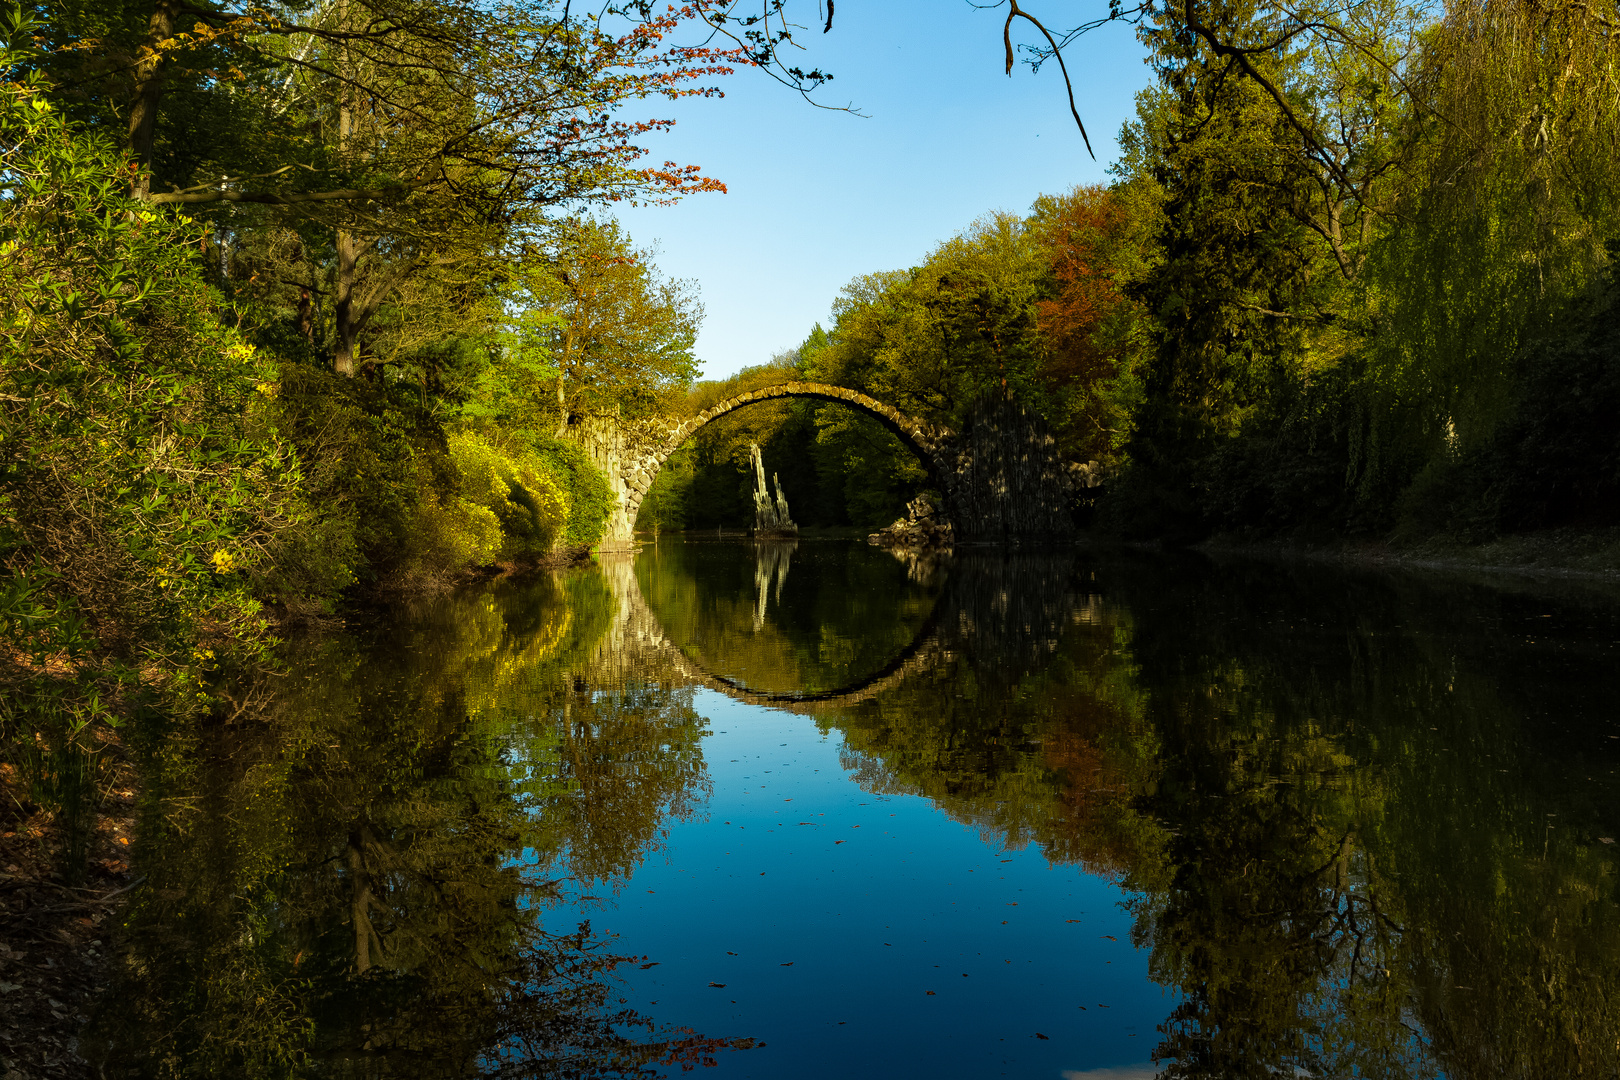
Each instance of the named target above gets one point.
<point>1364,822</point>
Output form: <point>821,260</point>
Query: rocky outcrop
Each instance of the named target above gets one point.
<point>924,526</point>
<point>771,520</point>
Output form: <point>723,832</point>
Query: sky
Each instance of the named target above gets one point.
<point>818,197</point>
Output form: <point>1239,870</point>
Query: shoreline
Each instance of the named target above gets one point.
<point>58,939</point>
<point>1558,555</point>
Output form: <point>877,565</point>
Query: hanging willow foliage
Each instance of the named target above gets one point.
<point>1511,214</point>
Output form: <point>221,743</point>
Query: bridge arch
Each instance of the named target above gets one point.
<point>934,445</point>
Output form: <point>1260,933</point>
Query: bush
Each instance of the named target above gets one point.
<point>517,488</point>
<point>590,500</point>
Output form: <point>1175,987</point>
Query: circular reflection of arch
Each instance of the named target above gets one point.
<point>929,442</point>
<point>925,652</point>
<point>643,630</point>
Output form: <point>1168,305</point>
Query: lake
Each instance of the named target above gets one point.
<point>813,808</point>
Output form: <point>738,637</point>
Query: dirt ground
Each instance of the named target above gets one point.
<point>55,937</point>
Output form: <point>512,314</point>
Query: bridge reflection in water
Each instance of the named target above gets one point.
<point>1362,824</point>
<point>1350,833</point>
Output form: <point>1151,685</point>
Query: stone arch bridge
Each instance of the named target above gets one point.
<point>1001,478</point>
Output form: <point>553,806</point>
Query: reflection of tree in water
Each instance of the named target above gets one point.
<point>1322,796</point>
<point>356,884</point>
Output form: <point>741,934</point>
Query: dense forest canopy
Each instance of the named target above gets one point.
<point>1353,278</point>
<point>300,296</point>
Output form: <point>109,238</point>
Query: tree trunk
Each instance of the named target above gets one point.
<point>306,316</point>
<point>348,248</point>
<point>348,320</point>
<point>562,394</point>
<point>143,109</point>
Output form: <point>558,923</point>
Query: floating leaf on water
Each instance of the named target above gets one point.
<point>718,986</point>
<point>652,964</point>
<point>1038,1035</point>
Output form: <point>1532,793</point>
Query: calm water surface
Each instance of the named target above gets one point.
<point>812,809</point>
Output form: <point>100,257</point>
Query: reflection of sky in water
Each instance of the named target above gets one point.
<point>829,915</point>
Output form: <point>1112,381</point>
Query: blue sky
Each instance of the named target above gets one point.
<point>817,197</point>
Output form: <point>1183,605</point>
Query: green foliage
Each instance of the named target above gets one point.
<point>616,335</point>
<point>865,471</point>
<point>588,497</point>
<point>1356,279</point>
<point>142,481</point>
<point>515,489</point>
<point>931,340</point>
<point>1554,461</point>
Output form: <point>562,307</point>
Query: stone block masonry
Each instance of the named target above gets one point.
<point>1001,477</point>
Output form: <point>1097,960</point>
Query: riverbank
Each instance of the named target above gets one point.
<point>1591,555</point>
<point>55,947</point>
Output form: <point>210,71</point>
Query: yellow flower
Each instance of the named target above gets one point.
<point>224,562</point>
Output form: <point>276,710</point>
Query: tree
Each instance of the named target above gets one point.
<point>395,142</point>
<point>142,480</point>
<point>615,332</point>
<point>1092,333</point>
